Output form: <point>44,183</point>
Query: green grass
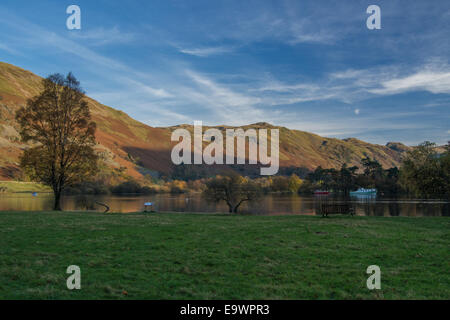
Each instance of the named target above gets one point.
<point>21,187</point>
<point>198,256</point>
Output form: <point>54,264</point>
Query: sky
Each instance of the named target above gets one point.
<point>306,65</point>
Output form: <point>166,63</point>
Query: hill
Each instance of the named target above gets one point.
<point>131,148</point>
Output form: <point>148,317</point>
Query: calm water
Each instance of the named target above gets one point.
<point>268,205</point>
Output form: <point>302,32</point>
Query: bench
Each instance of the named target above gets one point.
<point>336,208</point>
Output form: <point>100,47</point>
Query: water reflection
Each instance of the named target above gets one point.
<point>268,205</point>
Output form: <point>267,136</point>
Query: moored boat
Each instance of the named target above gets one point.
<point>363,191</point>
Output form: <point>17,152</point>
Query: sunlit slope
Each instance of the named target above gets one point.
<point>134,149</point>
<point>307,150</point>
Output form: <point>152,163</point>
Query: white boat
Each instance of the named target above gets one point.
<point>363,191</point>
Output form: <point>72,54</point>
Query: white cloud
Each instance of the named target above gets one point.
<point>206,51</point>
<point>156,92</point>
<point>394,79</point>
<point>356,111</point>
<point>274,92</point>
<point>303,32</point>
<point>432,81</point>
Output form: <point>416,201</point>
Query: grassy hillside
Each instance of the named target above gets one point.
<point>129,146</point>
<point>198,256</point>
<point>18,186</point>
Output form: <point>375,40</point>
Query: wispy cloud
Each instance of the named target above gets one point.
<point>306,31</point>
<point>221,94</point>
<point>156,92</point>
<point>395,79</point>
<point>227,104</point>
<point>103,36</point>
<point>434,82</point>
<point>279,87</point>
<point>206,51</point>
<point>8,49</point>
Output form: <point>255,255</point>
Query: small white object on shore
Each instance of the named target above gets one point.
<point>148,205</point>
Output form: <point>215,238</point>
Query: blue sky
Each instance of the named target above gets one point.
<point>308,65</point>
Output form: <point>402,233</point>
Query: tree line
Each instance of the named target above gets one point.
<point>424,173</point>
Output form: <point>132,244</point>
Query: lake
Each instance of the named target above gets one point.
<point>268,205</point>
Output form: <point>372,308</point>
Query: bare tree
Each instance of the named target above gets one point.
<point>233,189</point>
<point>59,123</point>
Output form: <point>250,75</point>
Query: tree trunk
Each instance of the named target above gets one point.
<point>57,204</point>
<point>104,205</point>
<point>238,205</point>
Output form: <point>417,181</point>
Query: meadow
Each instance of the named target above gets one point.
<point>219,256</point>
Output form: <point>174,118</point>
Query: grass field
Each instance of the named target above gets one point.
<point>18,186</point>
<point>199,256</point>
